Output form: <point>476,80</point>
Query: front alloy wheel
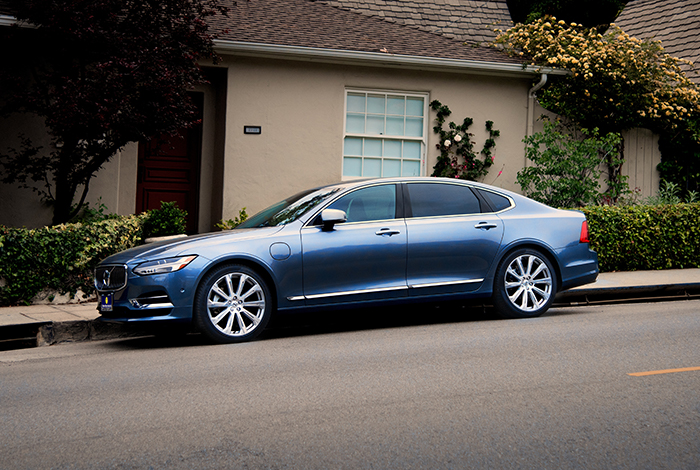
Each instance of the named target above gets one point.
<point>525,285</point>
<point>232,304</point>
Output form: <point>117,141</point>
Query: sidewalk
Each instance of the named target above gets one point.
<point>40,325</point>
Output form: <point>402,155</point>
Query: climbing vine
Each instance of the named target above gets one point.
<point>457,157</point>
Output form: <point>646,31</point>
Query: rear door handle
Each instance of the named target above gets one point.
<point>387,231</point>
<point>485,225</point>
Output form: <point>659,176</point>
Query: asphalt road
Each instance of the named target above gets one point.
<point>434,389</point>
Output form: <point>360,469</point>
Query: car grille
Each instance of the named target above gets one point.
<point>110,278</point>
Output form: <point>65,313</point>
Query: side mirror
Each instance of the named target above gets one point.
<point>330,217</point>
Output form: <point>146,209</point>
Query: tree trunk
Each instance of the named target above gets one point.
<point>63,200</point>
<point>615,179</point>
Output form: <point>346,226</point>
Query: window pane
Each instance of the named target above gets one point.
<point>392,168</point>
<point>375,125</point>
<point>392,148</point>
<point>395,105</point>
<point>373,203</point>
<point>355,124</point>
<point>372,167</point>
<point>394,126</point>
<point>414,127</point>
<point>411,168</point>
<point>414,106</point>
<point>372,116</point>
<point>373,147</point>
<point>353,146</point>
<point>352,166</point>
<point>411,150</point>
<point>496,201</point>
<point>375,104</point>
<point>432,199</point>
<point>356,103</point>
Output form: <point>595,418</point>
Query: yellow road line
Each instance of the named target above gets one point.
<point>667,371</point>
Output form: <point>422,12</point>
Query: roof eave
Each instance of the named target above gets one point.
<point>381,59</point>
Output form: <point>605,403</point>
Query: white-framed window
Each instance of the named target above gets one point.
<point>385,134</point>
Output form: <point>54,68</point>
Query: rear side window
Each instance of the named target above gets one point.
<point>496,201</point>
<point>439,199</point>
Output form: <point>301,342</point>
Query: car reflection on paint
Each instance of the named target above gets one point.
<point>354,244</point>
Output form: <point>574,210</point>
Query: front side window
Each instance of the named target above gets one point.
<point>437,199</point>
<point>384,134</point>
<point>368,204</point>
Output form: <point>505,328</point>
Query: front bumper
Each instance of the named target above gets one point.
<point>159,297</point>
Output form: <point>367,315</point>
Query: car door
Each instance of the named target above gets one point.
<point>361,259</point>
<point>451,243</point>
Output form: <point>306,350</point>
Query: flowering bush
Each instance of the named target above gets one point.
<point>457,157</point>
<point>617,82</point>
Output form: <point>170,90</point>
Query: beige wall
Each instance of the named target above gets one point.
<point>300,107</point>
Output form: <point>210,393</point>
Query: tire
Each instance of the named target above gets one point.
<point>232,305</point>
<point>525,284</point>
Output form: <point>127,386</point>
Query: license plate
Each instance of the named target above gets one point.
<point>106,302</point>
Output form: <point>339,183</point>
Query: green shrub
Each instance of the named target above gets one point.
<point>635,238</point>
<point>61,257</point>
<point>168,220</point>
<point>230,224</point>
<point>565,170</point>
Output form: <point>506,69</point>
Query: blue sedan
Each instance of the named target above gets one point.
<point>355,244</point>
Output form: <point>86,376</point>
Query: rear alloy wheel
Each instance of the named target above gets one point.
<point>525,285</point>
<point>232,304</point>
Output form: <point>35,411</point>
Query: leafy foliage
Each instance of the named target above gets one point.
<point>168,220</point>
<point>88,214</point>
<point>669,193</point>
<point>680,156</point>
<point>230,224</point>
<point>101,74</point>
<point>645,237</point>
<point>457,156</point>
<point>617,82</point>
<point>62,257</point>
<point>566,169</point>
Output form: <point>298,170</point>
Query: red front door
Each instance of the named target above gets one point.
<point>169,170</point>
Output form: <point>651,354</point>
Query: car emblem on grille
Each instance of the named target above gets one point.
<point>106,277</point>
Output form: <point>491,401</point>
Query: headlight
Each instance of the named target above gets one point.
<point>163,266</point>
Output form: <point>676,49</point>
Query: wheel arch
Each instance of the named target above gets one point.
<point>257,266</point>
<point>534,245</point>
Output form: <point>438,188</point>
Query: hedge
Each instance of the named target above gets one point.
<point>61,257</point>
<point>645,237</point>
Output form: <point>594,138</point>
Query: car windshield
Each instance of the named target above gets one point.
<point>289,209</point>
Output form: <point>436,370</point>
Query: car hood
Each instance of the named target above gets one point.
<point>191,245</point>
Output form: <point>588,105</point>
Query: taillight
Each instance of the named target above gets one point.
<point>584,232</point>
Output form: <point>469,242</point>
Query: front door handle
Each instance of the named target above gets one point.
<point>387,231</point>
<point>485,225</point>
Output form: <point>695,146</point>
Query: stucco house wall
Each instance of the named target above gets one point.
<point>301,109</point>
